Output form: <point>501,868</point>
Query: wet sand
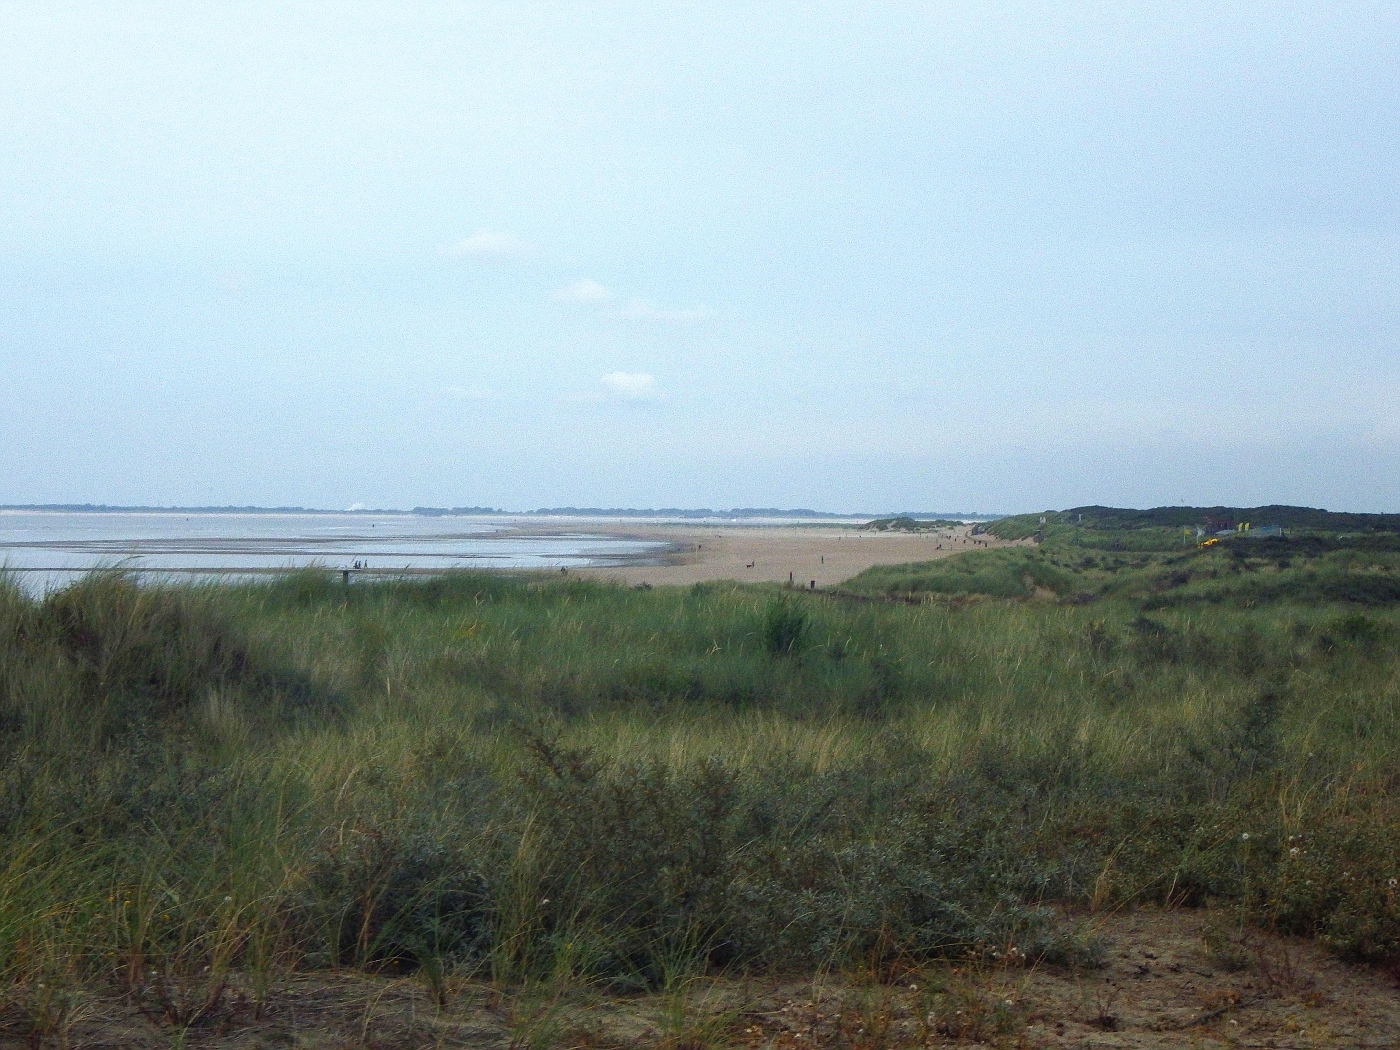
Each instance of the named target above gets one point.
<point>755,554</point>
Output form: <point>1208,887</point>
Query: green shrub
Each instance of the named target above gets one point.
<point>789,869</point>
<point>380,897</point>
<point>643,856</point>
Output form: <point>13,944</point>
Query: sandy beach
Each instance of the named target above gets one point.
<point>753,554</point>
<point>53,549</point>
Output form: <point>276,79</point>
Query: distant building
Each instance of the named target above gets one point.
<point>1249,532</point>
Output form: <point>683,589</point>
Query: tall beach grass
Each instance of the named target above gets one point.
<point>205,788</point>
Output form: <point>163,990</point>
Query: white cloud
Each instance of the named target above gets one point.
<point>584,291</point>
<point>631,386</point>
<point>641,310</point>
<point>489,244</point>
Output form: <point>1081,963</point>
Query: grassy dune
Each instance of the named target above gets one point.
<point>206,789</point>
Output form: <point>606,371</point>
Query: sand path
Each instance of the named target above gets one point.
<point>756,554</point>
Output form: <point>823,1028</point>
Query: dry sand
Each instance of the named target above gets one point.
<point>756,554</point>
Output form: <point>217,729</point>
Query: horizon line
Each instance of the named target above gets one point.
<point>479,511</point>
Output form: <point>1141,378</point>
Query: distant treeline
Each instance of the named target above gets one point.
<point>1184,517</point>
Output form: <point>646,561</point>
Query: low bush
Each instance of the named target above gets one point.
<point>1339,881</point>
<point>382,897</point>
<point>785,869</point>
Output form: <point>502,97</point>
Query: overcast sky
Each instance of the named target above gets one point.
<point>848,256</point>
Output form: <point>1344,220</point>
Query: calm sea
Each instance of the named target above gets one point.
<point>49,549</point>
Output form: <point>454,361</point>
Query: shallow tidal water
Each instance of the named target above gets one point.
<point>47,549</point>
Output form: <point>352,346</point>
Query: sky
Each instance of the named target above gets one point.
<point>883,256</point>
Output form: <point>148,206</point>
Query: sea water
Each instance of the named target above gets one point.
<point>47,549</point>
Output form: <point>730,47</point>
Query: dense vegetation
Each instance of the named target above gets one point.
<point>1120,518</point>
<point>534,779</point>
<point>1158,568</point>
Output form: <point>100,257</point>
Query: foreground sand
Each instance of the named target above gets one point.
<point>1158,988</point>
<point>756,554</point>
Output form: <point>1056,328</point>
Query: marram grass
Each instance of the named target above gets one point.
<point>533,779</point>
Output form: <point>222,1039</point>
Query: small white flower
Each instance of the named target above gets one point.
<point>1244,836</point>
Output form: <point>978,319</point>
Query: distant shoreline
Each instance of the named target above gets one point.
<point>699,513</point>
